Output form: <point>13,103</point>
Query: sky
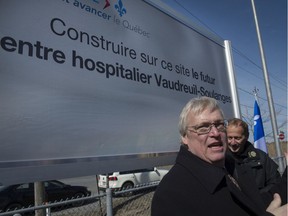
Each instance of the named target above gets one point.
<point>233,20</point>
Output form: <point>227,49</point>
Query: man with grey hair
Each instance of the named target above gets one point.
<point>201,181</point>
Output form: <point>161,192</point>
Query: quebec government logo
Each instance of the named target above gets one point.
<point>102,9</point>
<point>119,6</point>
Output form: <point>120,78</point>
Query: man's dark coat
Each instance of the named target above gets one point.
<point>195,187</point>
<point>262,167</point>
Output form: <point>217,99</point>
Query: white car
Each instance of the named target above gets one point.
<point>130,179</point>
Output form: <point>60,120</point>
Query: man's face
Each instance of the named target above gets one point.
<point>209,147</point>
<point>236,138</point>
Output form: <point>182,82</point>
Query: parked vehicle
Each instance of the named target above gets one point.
<point>22,195</point>
<point>129,179</point>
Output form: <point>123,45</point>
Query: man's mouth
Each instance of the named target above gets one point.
<point>215,145</point>
<point>234,147</point>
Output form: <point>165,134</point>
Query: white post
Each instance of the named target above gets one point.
<point>48,210</point>
<point>268,91</point>
<point>232,79</point>
<point>109,204</point>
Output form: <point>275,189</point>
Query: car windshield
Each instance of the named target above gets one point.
<point>54,184</point>
<point>3,188</point>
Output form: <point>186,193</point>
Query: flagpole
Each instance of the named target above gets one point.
<point>269,94</point>
<point>255,91</point>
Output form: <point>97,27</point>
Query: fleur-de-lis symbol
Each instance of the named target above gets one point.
<point>256,118</point>
<point>120,8</point>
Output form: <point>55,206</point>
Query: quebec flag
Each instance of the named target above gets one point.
<point>259,137</point>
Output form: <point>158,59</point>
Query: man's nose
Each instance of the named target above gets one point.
<point>214,130</point>
<point>232,141</point>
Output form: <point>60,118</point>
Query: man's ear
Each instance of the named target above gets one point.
<point>184,139</point>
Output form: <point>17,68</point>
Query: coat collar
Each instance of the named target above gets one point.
<point>207,174</point>
<point>249,153</point>
<point>211,176</point>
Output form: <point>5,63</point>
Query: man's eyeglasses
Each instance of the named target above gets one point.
<point>205,128</point>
